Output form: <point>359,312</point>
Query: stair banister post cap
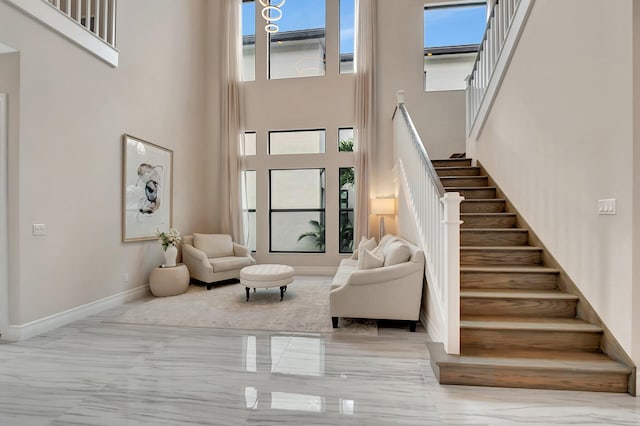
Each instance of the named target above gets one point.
<point>452,197</point>
<point>451,202</point>
<point>400,96</point>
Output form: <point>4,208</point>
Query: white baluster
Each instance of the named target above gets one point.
<point>112,33</point>
<point>87,14</point>
<point>105,20</point>
<point>97,18</point>
<point>78,10</point>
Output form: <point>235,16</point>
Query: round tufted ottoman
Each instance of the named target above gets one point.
<point>266,276</point>
<point>169,281</point>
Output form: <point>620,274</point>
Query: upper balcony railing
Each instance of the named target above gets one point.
<point>504,26</point>
<point>97,16</point>
<point>88,23</point>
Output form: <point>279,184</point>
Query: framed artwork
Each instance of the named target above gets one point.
<point>147,189</point>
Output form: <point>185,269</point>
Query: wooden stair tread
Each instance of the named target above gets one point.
<point>456,188</point>
<point>593,362</point>
<point>483,200</point>
<point>510,269</point>
<point>499,248</point>
<point>453,160</point>
<point>519,294</point>
<point>528,324</point>
<point>489,214</point>
<point>463,177</point>
<point>504,230</point>
<point>455,167</point>
<point>446,178</point>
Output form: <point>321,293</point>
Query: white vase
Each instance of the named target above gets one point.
<point>170,255</point>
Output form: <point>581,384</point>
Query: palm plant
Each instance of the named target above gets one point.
<point>317,234</point>
<point>345,145</point>
<point>346,234</point>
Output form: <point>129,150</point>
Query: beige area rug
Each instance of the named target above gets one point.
<point>305,308</point>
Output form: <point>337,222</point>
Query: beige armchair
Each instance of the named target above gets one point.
<point>214,257</point>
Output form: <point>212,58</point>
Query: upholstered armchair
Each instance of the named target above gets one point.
<point>214,257</point>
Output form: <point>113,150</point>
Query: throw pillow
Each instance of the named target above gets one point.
<point>214,245</point>
<point>384,242</point>
<point>369,244</point>
<point>368,260</point>
<point>396,253</point>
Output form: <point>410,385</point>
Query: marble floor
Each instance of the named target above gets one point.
<point>93,372</point>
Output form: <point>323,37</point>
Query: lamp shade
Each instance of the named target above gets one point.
<point>382,206</point>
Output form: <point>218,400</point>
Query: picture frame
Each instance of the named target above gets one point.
<point>147,189</point>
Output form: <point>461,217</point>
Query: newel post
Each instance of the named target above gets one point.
<point>452,222</point>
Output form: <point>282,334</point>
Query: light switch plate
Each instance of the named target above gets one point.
<point>607,206</point>
<point>39,229</point>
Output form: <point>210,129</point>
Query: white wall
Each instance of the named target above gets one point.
<point>328,102</point>
<point>439,116</point>
<point>73,111</point>
<point>448,72</point>
<point>635,320</point>
<point>560,137</point>
<point>10,85</point>
<point>323,102</point>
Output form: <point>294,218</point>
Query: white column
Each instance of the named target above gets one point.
<point>4,207</point>
<point>451,201</point>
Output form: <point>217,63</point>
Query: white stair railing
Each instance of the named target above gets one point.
<point>97,16</point>
<point>91,24</point>
<point>501,34</point>
<point>437,215</point>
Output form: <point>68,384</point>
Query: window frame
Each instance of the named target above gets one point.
<point>282,36</point>
<point>249,210</point>
<point>346,210</point>
<point>269,132</point>
<point>322,210</point>
<point>452,49</point>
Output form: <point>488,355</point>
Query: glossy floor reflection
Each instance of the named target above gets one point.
<point>97,373</point>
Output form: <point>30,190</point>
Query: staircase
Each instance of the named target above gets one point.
<point>517,328</point>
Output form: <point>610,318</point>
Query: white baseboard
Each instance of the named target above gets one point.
<point>432,330</point>
<point>26,331</point>
<point>315,270</point>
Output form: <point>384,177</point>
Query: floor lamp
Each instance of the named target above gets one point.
<point>382,207</point>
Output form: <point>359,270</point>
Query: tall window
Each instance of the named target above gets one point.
<point>297,142</point>
<point>298,48</point>
<point>347,192</point>
<point>347,35</point>
<point>248,40</point>
<point>249,207</point>
<point>297,212</point>
<point>452,34</point>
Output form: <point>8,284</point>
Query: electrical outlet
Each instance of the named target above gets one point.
<point>607,206</point>
<point>39,229</point>
<point>125,277</point>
